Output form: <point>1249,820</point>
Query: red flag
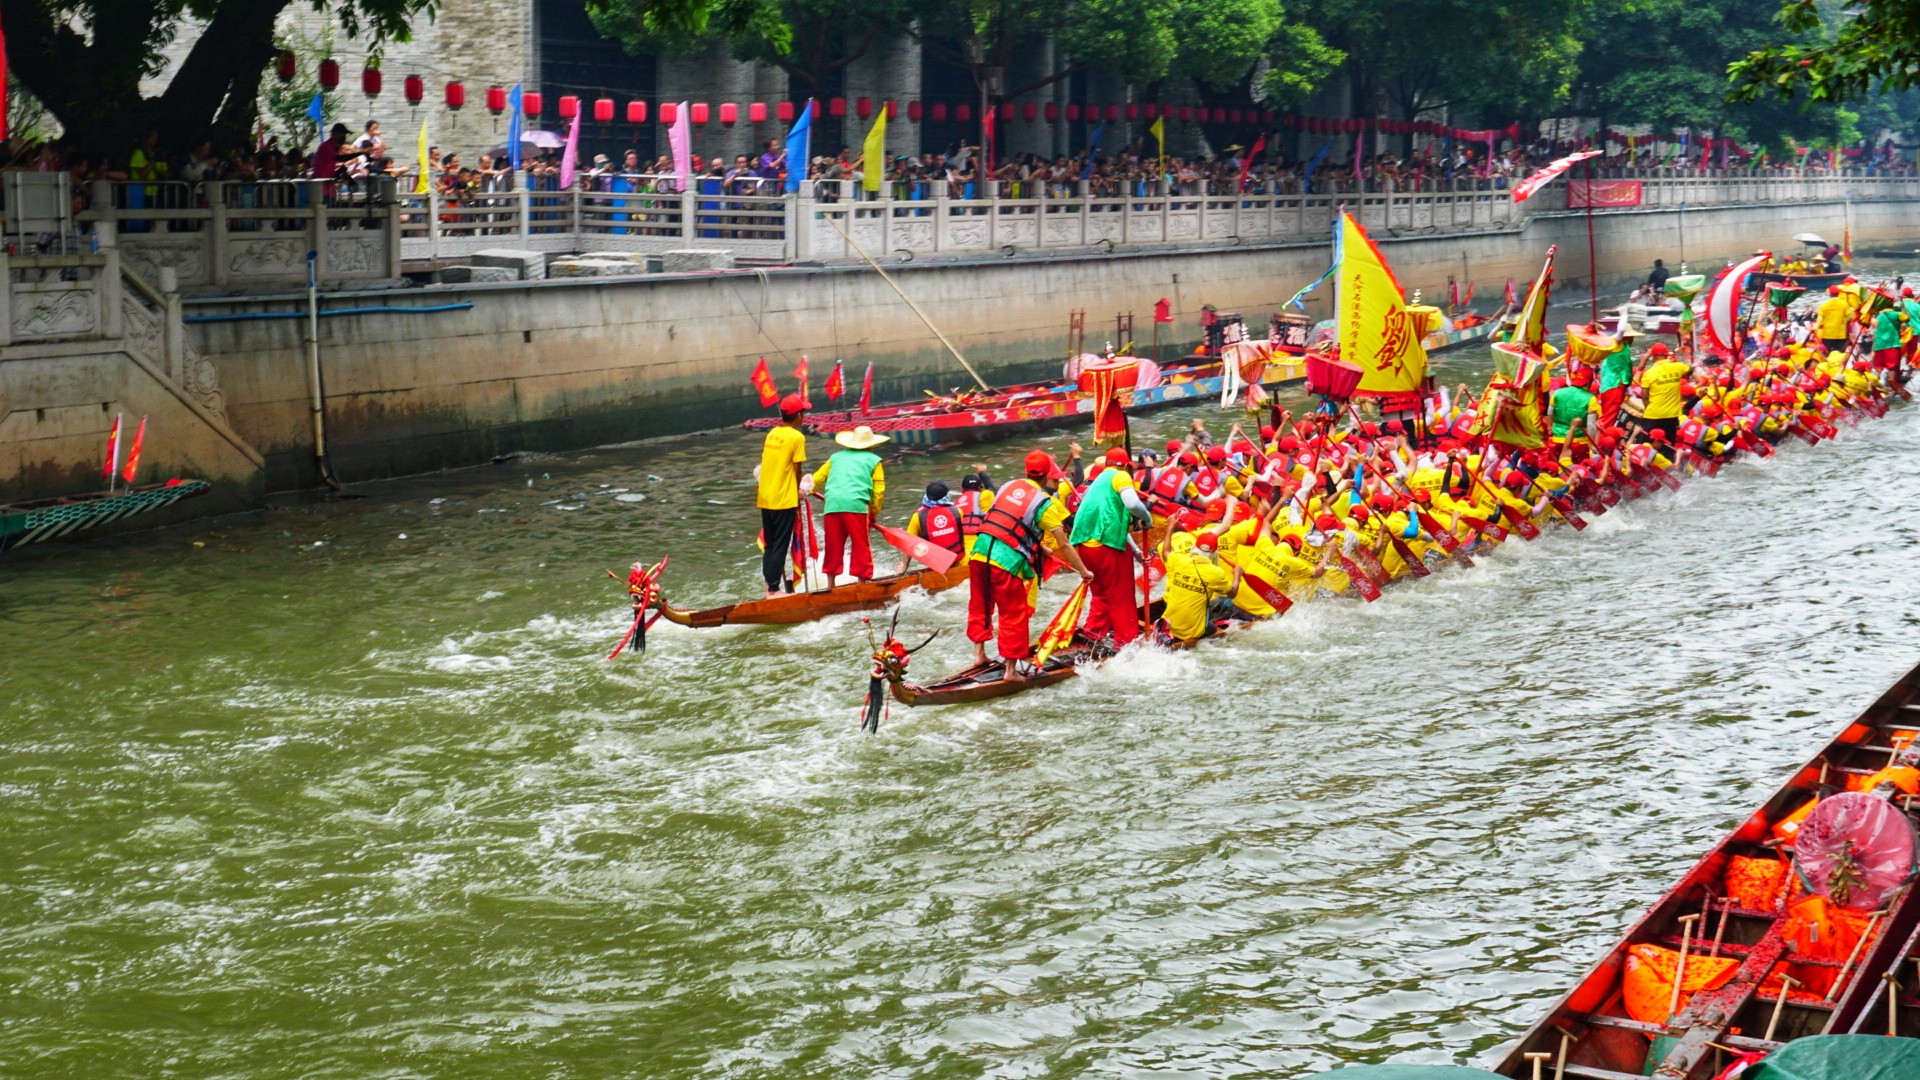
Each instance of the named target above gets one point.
<point>800,376</point>
<point>1162,310</point>
<point>133,455</point>
<point>915,547</point>
<point>1246,165</point>
<point>866,390</point>
<point>763,382</point>
<point>836,384</point>
<point>113,451</point>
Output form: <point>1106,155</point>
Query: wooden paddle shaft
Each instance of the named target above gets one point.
<point>1680,973</point>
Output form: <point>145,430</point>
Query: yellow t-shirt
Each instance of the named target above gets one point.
<point>1191,582</point>
<point>779,488</point>
<point>1832,317</point>
<point>1662,383</point>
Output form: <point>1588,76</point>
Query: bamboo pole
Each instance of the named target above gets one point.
<point>884,276</point>
<point>1680,972</point>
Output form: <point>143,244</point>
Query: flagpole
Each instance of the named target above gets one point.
<point>1593,261</point>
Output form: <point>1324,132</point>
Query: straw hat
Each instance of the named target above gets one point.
<point>860,438</point>
<point>1626,331</point>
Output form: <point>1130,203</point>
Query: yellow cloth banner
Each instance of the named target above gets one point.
<point>1533,314</point>
<point>420,183</point>
<point>1377,333</point>
<point>875,151</point>
<point>1159,132</point>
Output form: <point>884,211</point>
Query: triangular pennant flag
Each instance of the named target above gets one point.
<point>763,382</point>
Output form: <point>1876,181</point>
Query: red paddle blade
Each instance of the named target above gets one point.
<point>1416,565</point>
<point>1361,583</point>
<point>1567,511</point>
<point>1526,528</point>
<point>1274,597</point>
<point>915,547</point>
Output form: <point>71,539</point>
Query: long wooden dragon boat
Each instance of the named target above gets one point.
<point>50,519</point>
<point>806,606</point>
<point>1750,920</point>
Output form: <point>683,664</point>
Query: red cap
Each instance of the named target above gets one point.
<point>1189,459</point>
<point>1422,495</point>
<point>1266,430</point>
<point>1206,541</point>
<point>1360,513</point>
<point>792,403</point>
<point>1118,456</point>
<point>1657,435</point>
<point>1040,463</point>
<point>1833,290</point>
<point>1173,446</point>
<point>1582,376</point>
<point>1293,540</point>
<point>1327,523</point>
<point>1659,349</point>
<point>1514,478</point>
<point>1289,443</point>
<point>1189,521</point>
<point>1216,454</point>
<point>1217,511</point>
<point>1370,429</point>
<point>1241,512</point>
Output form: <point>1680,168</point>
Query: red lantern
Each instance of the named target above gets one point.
<point>863,107</point>
<point>1132,112</point>
<point>1113,112</point>
<point>1266,117</point>
<point>496,99</point>
<point>285,65</point>
<point>1006,111</point>
<point>1029,111</point>
<point>1149,110</point>
<point>669,112</point>
<point>1052,111</point>
<point>915,111</point>
<point>603,110</point>
<point>1073,113</point>
<point>939,112</point>
<point>569,106</point>
<point>893,108</point>
<point>837,107</point>
<point>963,113</point>
<point>729,113</point>
<point>697,112</point>
<point>530,102</point>
<point>785,111</point>
<point>415,88</point>
<point>370,82</point>
<point>757,112</point>
<point>1220,114</point>
<point>329,74</point>
<point>636,112</point>
<point>456,96</point>
<point>813,109</point>
<point>1186,114</point>
<point>1171,112</point>
<point>1236,116</point>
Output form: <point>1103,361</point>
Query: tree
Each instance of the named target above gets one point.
<point>84,60</point>
<point>1833,56</point>
<point>810,40</point>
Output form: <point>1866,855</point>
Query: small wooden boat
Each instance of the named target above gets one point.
<point>806,606</point>
<point>1738,897</point>
<point>49,519</point>
<point>1806,281</point>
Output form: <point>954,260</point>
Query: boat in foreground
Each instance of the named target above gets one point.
<point>805,606</point>
<point>1792,926</point>
<point>50,519</point>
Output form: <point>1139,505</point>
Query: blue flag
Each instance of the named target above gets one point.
<point>1093,150</point>
<point>797,147</point>
<point>514,113</point>
<point>1306,182</point>
<point>317,112</point>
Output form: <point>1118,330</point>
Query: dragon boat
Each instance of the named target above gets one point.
<point>806,606</point>
<point>50,519</point>
<point>1799,924</point>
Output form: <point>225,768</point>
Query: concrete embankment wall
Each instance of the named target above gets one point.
<point>554,365</point>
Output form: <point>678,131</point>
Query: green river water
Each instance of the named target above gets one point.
<point>348,789</point>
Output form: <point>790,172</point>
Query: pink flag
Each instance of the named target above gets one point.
<point>567,156</point>
<point>1524,189</point>
<point>680,138</point>
<point>113,452</point>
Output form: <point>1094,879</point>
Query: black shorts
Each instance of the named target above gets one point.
<point>1834,344</point>
<point>1670,425</point>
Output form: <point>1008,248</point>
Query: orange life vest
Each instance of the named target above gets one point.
<point>1014,519</point>
<point>941,525</point>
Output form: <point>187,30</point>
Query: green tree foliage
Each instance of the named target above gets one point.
<point>84,60</point>
<point>808,39</point>
<point>1833,55</point>
<point>287,103</point>
<point>1664,63</point>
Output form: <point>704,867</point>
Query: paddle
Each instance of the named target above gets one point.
<point>1415,564</point>
<point>1362,584</point>
<point>1278,600</point>
<point>1448,542</point>
<point>915,547</point>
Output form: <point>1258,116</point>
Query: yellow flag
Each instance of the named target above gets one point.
<point>1532,332</point>
<point>426,167</point>
<point>875,151</point>
<point>1159,132</point>
<point>1377,334</point>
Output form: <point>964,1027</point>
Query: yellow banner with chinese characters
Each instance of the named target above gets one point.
<point>1377,333</point>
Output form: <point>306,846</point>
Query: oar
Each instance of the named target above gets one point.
<point>1415,564</point>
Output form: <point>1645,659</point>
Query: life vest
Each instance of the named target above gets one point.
<point>1014,519</point>
<point>941,524</point>
<point>1691,431</point>
<point>1170,484</point>
<point>969,510</point>
<point>1206,482</point>
<point>1641,454</point>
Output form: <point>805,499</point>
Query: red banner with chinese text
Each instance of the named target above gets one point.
<point>1602,194</point>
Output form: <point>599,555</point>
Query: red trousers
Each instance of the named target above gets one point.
<point>1610,401</point>
<point>996,592</point>
<point>1111,601</point>
<point>844,528</point>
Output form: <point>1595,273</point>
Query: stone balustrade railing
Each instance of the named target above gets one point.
<point>255,236</point>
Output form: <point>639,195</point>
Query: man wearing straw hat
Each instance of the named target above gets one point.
<point>854,484</point>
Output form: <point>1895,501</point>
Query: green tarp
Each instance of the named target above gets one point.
<point>1841,1057</point>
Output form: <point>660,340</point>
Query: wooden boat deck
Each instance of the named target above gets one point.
<point>806,606</point>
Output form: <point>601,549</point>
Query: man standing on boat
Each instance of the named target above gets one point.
<point>1003,568</point>
<point>854,484</point>
<point>783,462</point>
<point>1108,511</point>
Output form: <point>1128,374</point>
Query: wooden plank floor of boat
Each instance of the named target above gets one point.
<point>805,606</point>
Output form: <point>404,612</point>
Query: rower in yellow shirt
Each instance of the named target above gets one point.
<point>1831,318</point>
<point>1194,582</point>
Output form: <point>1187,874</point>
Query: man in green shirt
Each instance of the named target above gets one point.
<point>1575,411</point>
<point>1616,374</point>
<point>854,484</point>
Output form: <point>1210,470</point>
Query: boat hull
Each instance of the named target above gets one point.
<point>50,519</point>
<point>807,606</point>
<point>1806,281</point>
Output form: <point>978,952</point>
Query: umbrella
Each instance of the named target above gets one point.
<point>1811,238</point>
<point>545,140</point>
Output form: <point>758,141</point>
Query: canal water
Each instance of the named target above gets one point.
<point>349,789</point>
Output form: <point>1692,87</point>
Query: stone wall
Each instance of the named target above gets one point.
<point>551,365</point>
